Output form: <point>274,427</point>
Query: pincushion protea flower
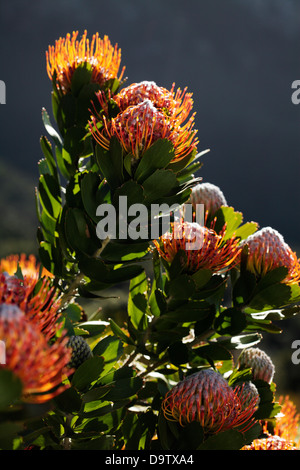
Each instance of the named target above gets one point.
<point>285,431</point>
<point>206,397</point>
<point>213,251</point>
<point>36,297</point>
<point>267,250</point>
<point>175,105</point>
<point>270,443</point>
<point>147,113</point>
<point>41,367</point>
<point>287,423</point>
<point>69,52</point>
<point>208,194</point>
<point>259,362</point>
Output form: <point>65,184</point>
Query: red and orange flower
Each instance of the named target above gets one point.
<point>69,53</point>
<point>212,251</point>
<point>41,367</point>
<point>29,323</point>
<point>206,397</point>
<point>267,250</point>
<point>147,113</point>
<point>33,292</point>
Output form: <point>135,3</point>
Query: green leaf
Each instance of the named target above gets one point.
<point>78,232</point>
<point>189,312</point>
<point>11,388</point>
<point>110,349</point>
<point>47,151</point>
<point>118,251</point>
<point>82,76</point>
<point>73,142</point>
<point>227,440</point>
<point>161,183</point>
<point>110,163</point>
<point>137,301</point>
<point>124,388</point>
<point>157,157</point>
<point>243,288</point>
<point>213,351</point>
<point>120,333</point>
<point>178,353</point>
<point>230,321</point>
<point>87,373</point>
<point>50,195</point>
<point>50,129</point>
<point>94,328</point>
<point>241,341</point>
<point>89,184</point>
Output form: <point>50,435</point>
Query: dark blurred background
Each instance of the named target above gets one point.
<point>238,57</point>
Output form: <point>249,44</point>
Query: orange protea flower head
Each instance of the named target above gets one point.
<point>69,53</point>
<point>270,443</point>
<point>259,362</point>
<point>41,367</point>
<point>37,298</point>
<point>208,194</point>
<point>287,423</point>
<point>147,113</point>
<point>12,289</point>
<point>211,250</point>
<point>267,250</point>
<point>139,126</point>
<point>206,397</point>
<point>175,105</point>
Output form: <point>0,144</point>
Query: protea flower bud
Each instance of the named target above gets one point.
<point>210,195</point>
<point>206,397</point>
<point>81,351</point>
<point>259,362</point>
<point>267,250</point>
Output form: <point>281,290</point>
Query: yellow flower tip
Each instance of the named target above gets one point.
<point>29,266</point>
<point>203,247</point>
<point>147,113</point>
<point>41,367</point>
<point>267,250</point>
<point>68,53</point>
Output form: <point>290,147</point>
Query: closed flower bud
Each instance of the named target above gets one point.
<point>267,250</point>
<point>81,351</point>
<point>208,194</point>
<point>259,362</point>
